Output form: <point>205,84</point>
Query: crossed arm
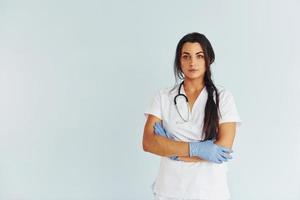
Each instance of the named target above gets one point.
<point>162,146</point>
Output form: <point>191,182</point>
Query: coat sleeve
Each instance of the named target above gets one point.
<point>228,109</point>
<point>155,106</point>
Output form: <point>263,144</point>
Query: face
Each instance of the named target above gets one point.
<point>192,61</point>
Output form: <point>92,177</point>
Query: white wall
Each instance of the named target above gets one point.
<point>75,78</point>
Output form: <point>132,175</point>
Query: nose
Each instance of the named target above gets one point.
<point>192,61</point>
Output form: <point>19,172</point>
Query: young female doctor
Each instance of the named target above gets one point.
<point>192,127</point>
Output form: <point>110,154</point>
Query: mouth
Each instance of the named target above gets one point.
<point>193,70</point>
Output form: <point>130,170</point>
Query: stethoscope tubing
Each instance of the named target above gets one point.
<point>187,102</point>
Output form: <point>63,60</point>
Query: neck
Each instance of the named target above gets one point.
<point>194,85</point>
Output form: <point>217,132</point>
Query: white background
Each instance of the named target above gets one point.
<point>76,77</point>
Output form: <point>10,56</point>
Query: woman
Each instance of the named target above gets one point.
<point>192,127</point>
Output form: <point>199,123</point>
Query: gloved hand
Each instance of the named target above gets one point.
<point>159,130</point>
<point>207,150</point>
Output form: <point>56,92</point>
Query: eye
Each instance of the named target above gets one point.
<point>185,56</point>
<point>200,56</point>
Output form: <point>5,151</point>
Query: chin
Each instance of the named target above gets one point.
<point>192,77</point>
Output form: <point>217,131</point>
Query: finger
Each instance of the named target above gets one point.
<point>160,132</point>
<point>218,161</point>
<point>157,130</point>
<point>226,150</point>
<point>160,129</point>
<point>155,127</point>
<point>224,159</point>
<point>174,157</point>
<point>157,124</point>
<point>225,155</point>
<point>221,158</point>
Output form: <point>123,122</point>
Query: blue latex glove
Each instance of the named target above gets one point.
<point>207,150</point>
<point>159,130</point>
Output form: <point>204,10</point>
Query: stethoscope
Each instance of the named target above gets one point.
<point>187,103</point>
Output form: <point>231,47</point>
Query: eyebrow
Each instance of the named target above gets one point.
<point>189,53</point>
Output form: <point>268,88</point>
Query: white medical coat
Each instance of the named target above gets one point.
<point>190,180</point>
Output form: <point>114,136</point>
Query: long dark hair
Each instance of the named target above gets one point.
<point>211,119</point>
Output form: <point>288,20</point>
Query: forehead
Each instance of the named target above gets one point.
<point>191,47</point>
